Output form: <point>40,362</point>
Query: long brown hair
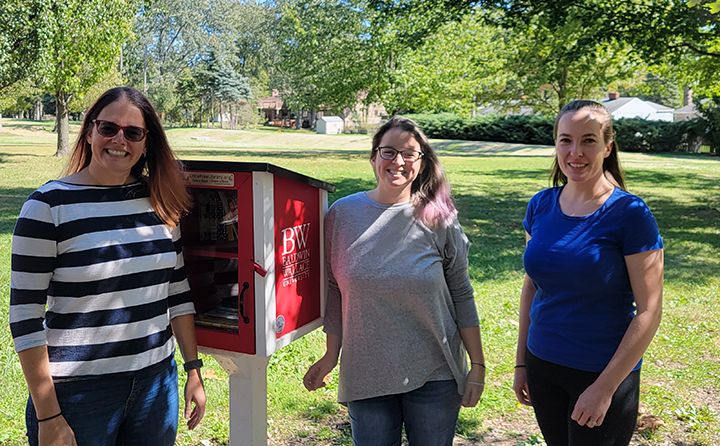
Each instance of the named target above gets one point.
<point>611,164</point>
<point>158,168</point>
<point>430,192</point>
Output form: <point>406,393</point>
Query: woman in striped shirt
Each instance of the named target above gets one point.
<point>98,288</point>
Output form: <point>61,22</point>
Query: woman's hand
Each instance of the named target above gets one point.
<point>591,406</point>
<point>520,387</point>
<point>55,432</point>
<point>194,393</point>
<point>315,376</point>
<point>474,386</point>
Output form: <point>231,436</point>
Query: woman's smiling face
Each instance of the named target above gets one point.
<point>114,156</point>
<point>580,146</point>
<point>397,175</point>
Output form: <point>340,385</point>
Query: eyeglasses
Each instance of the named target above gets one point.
<point>130,132</point>
<point>409,156</point>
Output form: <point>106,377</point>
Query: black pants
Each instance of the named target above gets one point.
<point>554,390</point>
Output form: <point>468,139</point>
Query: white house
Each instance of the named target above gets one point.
<point>686,113</point>
<point>330,125</point>
<point>637,108</point>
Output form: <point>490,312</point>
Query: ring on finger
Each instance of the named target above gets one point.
<point>591,423</point>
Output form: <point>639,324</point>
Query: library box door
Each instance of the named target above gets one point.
<point>218,250</point>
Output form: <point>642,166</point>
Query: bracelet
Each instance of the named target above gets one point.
<point>50,418</point>
<point>476,383</point>
<point>518,366</point>
<point>478,363</point>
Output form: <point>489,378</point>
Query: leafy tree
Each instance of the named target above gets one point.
<point>414,21</point>
<point>457,67</point>
<point>554,65</point>
<point>188,94</point>
<point>21,39</point>
<point>710,120</point>
<point>83,41</point>
<point>231,89</point>
<point>83,102</point>
<point>656,88</point>
<point>327,54</point>
<point>257,53</point>
<point>660,31</point>
<point>172,36</point>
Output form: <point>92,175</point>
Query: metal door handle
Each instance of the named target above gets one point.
<point>241,303</point>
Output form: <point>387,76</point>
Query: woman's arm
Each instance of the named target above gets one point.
<point>476,376</point>
<point>184,331</point>
<point>34,251</point>
<point>315,376</point>
<point>645,270</point>
<point>520,386</point>
<point>36,367</point>
<point>527,295</point>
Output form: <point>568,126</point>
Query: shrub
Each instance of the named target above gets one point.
<point>632,134</point>
<point>639,135</point>
<point>493,127</point>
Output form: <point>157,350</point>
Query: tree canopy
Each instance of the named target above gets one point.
<point>408,56</point>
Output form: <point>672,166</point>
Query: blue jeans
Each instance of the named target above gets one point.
<point>139,409</point>
<point>429,414</point>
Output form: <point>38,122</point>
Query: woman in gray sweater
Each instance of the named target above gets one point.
<point>400,304</point>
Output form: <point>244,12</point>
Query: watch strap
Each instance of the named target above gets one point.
<point>192,365</point>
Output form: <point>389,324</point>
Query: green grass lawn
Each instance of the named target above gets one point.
<point>492,184</point>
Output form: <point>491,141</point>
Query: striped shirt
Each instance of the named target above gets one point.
<point>109,272</point>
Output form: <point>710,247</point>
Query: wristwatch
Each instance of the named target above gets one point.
<point>192,365</point>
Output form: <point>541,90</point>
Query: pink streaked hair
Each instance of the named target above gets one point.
<point>430,190</point>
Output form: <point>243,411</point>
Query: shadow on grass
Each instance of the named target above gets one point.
<point>5,157</point>
<point>11,200</point>
<point>689,227</point>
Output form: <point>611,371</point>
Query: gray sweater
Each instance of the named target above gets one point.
<point>398,294</point>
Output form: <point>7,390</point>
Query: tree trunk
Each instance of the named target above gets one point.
<point>1,129</point>
<point>62,124</point>
<point>221,115</point>
<point>298,119</point>
<point>37,110</point>
<point>211,119</point>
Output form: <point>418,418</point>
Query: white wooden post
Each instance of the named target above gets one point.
<point>248,396</point>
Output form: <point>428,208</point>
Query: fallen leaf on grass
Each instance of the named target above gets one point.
<point>210,374</point>
<point>649,422</point>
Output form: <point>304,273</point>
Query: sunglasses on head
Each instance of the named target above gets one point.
<point>130,132</point>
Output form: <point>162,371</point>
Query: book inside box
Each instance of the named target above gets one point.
<point>211,257</point>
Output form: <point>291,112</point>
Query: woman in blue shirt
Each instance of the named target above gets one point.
<point>591,300</point>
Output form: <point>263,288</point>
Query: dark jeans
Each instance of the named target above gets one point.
<point>429,413</point>
<point>134,409</point>
<point>554,390</point>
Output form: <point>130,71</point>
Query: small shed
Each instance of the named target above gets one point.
<point>330,125</point>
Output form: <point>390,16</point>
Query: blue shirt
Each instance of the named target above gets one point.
<point>584,301</point>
